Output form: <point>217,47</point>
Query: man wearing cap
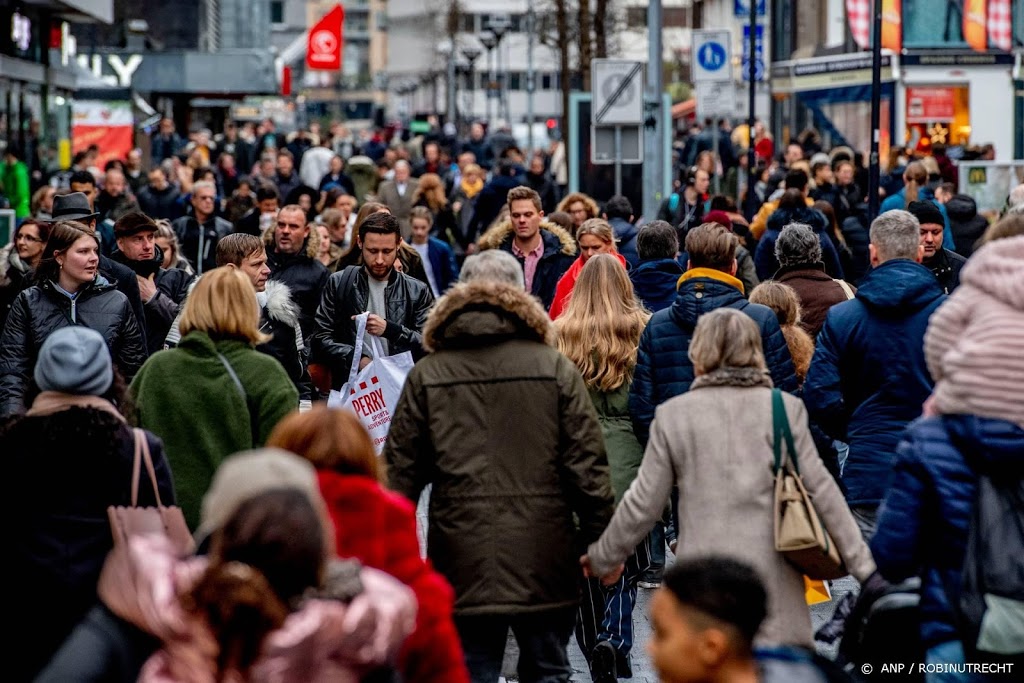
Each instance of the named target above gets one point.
<point>77,206</point>
<point>163,291</point>
<point>944,263</point>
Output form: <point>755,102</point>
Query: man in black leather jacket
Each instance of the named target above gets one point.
<point>163,291</point>
<point>398,304</point>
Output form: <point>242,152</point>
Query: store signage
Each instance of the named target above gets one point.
<point>324,45</point>
<point>21,31</point>
<point>968,59</point>
<point>927,105</point>
<point>123,67</point>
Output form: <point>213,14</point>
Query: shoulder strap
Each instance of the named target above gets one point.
<point>781,430</point>
<point>242,392</point>
<point>142,455</point>
<point>845,286</point>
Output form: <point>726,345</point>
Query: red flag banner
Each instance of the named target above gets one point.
<point>325,41</point>
<point>975,20</point>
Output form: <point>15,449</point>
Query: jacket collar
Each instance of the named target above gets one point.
<point>555,238</point>
<point>50,402</point>
<point>475,312</point>
<point>728,376</point>
<point>711,273</point>
<point>811,271</point>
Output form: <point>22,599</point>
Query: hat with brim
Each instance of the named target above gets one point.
<point>72,207</point>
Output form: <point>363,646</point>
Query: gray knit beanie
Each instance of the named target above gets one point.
<point>75,360</point>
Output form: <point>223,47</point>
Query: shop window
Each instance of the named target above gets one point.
<point>276,11</point>
<point>938,115</point>
<point>933,23</point>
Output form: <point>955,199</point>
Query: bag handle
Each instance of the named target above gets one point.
<point>142,455</point>
<point>781,430</point>
<point>357,348</point>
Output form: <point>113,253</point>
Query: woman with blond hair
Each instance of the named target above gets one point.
<point>378,528</point>
<point>600,332</point>
<point>595,236</point>
<point>783,299</point>
<point>167,240</point>
<point>580,206</point>
<point>430,194</point>
<point>214,394</point>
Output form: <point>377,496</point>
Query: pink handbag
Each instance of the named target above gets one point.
<point>168,521</point>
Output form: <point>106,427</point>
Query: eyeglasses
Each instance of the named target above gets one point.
<point>27,238</point>
<point>204,199</point>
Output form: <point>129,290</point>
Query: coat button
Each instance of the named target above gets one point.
<point>699,295</point>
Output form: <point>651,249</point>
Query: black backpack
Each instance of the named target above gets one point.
<point>990,607</point>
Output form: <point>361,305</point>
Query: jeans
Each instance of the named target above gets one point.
<point>542,637</point>
<point>950,652</point>
<point>657,541</point>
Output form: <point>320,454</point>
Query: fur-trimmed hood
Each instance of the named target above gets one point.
<point>475,311</point>
<point>496,236</point>
<point>277,299</point>
<point>312,242</point>
<point>9,259</point>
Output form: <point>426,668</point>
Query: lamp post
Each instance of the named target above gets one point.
<point>447,49</point>
<point>489,41</point>
<point>471,53</point>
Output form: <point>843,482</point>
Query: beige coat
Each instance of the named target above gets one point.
<point>715,444</point>
<point>400,204</point>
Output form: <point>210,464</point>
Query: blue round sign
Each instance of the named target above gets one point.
<point>711,56</point>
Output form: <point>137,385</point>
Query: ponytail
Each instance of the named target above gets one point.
<point>916,176</point>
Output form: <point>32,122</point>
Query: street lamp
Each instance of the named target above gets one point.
<point>447,49</point>
<point>489,41</point>
<point>471,53</point>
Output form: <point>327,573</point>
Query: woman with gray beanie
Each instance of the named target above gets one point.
<point>66,460</point>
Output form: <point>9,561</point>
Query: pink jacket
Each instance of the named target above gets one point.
<point>325,640</point>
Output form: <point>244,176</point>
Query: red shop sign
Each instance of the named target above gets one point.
<point>323,49</point>
<point>926,105</point>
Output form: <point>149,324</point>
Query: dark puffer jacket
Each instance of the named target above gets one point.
<point>346,294</point>
<point>172,287</point>
<point>868,378</point>
<point>655,282</point>
<point>503,427</point>
<point>559,254</point>
<point>764,258</point>
<point>663,369</point>
<point>966,224</point>
<point>926,515</point>
<point>39,311</point>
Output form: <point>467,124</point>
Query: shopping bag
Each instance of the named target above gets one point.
<point>373,392</point>
<point>816,591</point>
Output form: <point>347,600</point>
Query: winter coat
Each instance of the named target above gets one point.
<point>946,266</point>
<point>664,370</point>
<point>972,339</point>
<point>195,239</point>
<point>868,378</point>
<point>378,528</point>
<point>625,238</point>
<point>442,264</point>
<point>559,254</point>
<point>160,204</point>
<point>566,284</point>
<point>188,398</point>
<point>321,640</point>
<point>623,449</point>
<point>399,204</point>
<point>489,202</point>
<point>745,271</point>
<point>286,185</point>
<point>502,426</point>
<point>63,469</point>
<point>172,287</point>
<point>463,236</point>
<point>816,290</point>
<point>899,201</point>
<point>346,294</point>
<point>764,258</point>
<point>965,223</point>
<point>924,522</point>
<point>305,276</point>
<point>715,444</point>
<point>279,317</point>
<point>14,277</point>
<point>856,232</point>
<point>363,173</point>
<point>760,222</point>
<point>15,185</point>
<point>655,282</point>
<point>40,310</point>
<point>340,179</point>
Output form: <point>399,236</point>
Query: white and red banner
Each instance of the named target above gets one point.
<point>108,125</point>
<point>860,17</point>
<point>1000,24</point>
<point>325,41</point>
<point>930,104</point>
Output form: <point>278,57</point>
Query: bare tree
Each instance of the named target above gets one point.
<point>562,37</point>
<point>586,42</point>
<point>601,28</point>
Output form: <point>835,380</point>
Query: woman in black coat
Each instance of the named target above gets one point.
<point>70,291</point>
<point>66,460</point>
<point>18,259</point>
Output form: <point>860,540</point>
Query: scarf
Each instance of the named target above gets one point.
<point>50,402</point>
<point>471,189</point>
<point>728,376</point>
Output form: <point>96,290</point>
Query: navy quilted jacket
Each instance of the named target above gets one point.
<point>868,378</point>
<point>927,512</point>
<point>663,369</point>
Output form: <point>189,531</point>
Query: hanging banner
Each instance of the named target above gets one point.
<point>108,125</point>
<point>858,14</point>
<point>975,28</point>
<point>325,41</point>
<point>1000,24</point>
<point>927,105</point>
<point>892,24</point>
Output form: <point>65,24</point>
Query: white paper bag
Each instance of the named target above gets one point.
<point>373,392</point>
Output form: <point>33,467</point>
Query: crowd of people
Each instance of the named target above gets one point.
<point>592,391</point>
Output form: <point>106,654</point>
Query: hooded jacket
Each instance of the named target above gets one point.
<point>924,522</point>
<point>868,378</point>
<point>279,317</point>
<point>172,287</point>
<point>655,282</point>
<point>40,310</point>
<point>625,237</point>
<point>567,283</point>
<point>503,427</point>
<point>764,258</point>
<point>664,370</point>
<point>965,223</point>
<point>559,254</point>
<point>302,272</point>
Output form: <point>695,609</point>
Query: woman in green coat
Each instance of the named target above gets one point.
<point>600,332</point>
<point>214,394</point>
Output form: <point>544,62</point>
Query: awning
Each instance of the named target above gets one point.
<point>686,109</point>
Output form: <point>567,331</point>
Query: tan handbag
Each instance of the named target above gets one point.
<point>168,521</point>
<point>799,534</point>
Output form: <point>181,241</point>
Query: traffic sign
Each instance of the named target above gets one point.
<point>759,68</point>
<point>617,92</point>
<point>741,8</point>
<point>711,61</point>
<point>715,100</point>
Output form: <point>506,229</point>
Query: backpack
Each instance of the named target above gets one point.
<point>990,608</point>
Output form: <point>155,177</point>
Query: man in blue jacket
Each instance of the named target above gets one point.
<point>868,378</point>
<point>663,368</point>
<point>654,280</point>
<point>619,214</point>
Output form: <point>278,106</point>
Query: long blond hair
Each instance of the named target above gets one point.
<point>785,302</point>
<point>600,329</point>
<point>223,304</point>
<point>431,187</point>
